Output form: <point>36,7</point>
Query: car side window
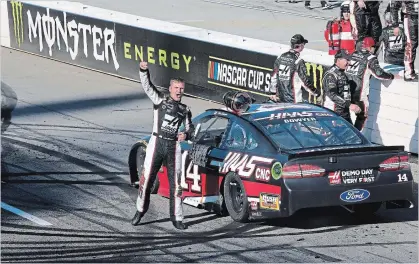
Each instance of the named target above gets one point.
<point>212,130</point>
<point>241,137</point>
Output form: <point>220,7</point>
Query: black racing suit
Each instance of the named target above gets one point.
<point>163,146</point>
<point>410,22</point>
<point>367,21</point>
<point>362,66</point>
<point>337,92</point>
<point>393,46</point>
<point>289,77</point>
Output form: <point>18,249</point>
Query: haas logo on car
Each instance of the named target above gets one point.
<point>244,165</point>
<point>263,174</point>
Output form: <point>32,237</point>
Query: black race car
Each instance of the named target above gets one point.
<point>276,159</point>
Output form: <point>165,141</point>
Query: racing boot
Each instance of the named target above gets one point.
<point>179,225</point>
<point>137,218</point>
<point>411,78</point>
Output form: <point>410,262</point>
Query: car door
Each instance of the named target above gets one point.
<point>200,183</point>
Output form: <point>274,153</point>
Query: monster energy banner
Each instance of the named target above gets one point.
<point>209,69</point>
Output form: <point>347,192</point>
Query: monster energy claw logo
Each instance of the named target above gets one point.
<point>17,21</point>
<point>317,81</point>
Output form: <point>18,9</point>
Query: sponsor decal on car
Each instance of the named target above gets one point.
<point>243,164</point>
<point>255,214</point>
<point>263,174</point>
<point>354,195</point>
<point>269,201</point>
<point>357,176</point>
<point>253,205</point>
<point>276,170</point>
<point>334,178</point>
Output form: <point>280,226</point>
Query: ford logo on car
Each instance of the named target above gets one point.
<point>354,195</point>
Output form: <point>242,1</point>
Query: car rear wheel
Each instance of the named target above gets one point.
<point>136,165</point>
<point>236,198</point>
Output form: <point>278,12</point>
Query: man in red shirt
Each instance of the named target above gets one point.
<point>339,32</point>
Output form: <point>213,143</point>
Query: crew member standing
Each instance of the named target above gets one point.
<point>169,114</point>
<point>337,89</point>
<point>339,32</point>
<point>393,41</point>
<point>289,76</point>
<point>366,19</point>
<point>362,66</point>
<point>410,21</point>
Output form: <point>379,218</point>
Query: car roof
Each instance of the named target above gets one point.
<point>263,110</point>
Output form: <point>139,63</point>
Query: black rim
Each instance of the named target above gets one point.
<point>237,196</point>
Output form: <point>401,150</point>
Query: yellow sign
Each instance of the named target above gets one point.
<point>163,57</point>
<point>269,201</point>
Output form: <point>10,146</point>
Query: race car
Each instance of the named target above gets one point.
<point>276,159</point>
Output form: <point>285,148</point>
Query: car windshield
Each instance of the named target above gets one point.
<point>309,132</point>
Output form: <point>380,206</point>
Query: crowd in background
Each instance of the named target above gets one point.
<point>354,39</point>
<point>398,38</point>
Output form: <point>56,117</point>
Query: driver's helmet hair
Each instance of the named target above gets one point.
<point>238,102</point>
<point>237,137</point>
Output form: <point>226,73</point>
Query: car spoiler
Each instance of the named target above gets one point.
<point>332,151</point>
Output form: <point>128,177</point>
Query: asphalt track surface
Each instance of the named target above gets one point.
<point>64,161</point>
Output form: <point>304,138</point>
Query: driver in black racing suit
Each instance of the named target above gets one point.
<point>290,75</point>
<point>410,21</point>
<point>337,89</point>
<point>169,114</point>
<point>362,67</point>
<point>366,18</point>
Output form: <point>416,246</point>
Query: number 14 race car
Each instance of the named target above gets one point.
<point>276,159</point>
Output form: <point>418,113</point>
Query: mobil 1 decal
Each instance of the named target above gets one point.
<point>248,166</point>
<point>63,36</point>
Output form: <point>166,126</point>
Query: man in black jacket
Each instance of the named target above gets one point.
<point>410,21</point>
<point>362,66</point>
<point>337,89</point>
<point>289,76</point>
<point>367,20</point>
<point>393,40</point>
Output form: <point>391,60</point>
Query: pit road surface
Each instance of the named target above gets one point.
<point>64,160</point>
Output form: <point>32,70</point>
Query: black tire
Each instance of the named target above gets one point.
<point>136,162</point>
<point>366,210</point>
<point>235,198</point>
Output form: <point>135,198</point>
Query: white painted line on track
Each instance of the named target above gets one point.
<point>23,214</point>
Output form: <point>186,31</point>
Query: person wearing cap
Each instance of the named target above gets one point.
<point>337,88</point>
<point>289,78</point>
<point>339,32</point>
<point>362,66</point>
<point>393,42</point>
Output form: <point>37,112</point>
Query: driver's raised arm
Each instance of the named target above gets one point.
<point>149,88</point>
